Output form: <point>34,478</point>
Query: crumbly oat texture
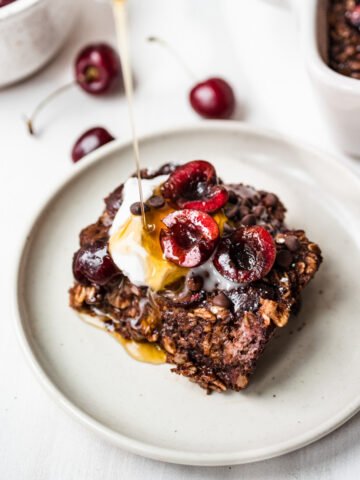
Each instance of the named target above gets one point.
<point>217,340</point>
<point>343,38</point>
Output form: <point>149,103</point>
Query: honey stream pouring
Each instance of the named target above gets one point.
<point>120,16</point>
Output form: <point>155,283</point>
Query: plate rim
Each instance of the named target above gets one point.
<point>138,447</point>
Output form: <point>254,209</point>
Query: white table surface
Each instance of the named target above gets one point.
<point>252,44</point>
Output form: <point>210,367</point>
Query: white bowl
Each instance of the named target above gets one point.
<point>339,95</point>
<point>31,32</point>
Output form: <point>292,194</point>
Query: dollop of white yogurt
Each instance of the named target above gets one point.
<point>127,251</point>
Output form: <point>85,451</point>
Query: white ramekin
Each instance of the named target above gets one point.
<point>31,32</point>
<point>339,95</point>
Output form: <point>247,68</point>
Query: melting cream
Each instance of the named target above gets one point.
<point>131,195</point>
<point>136,252</point>
<point>212,278</point>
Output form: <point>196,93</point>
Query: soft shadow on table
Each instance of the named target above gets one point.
<point>241,111</point>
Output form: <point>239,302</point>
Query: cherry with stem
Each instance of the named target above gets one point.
<point>211,98</point>
<point>96,70</point>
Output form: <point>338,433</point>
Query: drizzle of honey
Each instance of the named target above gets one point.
<point>159,272</point>
<point>142,351</point>
<point>120,16</point>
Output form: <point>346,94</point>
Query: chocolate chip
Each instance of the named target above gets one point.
<point>232,196</point>
<point>228,228</point>
<point>135,208</point>
<point>195,283</point>
<point>284,258</point>
<point>232,211</point>
<point>249,220</point>
<point>270,200</point>
<point>221,300</point>
<point>156,201</point>
<point>248,202</point>
<point>244,210</point>
<point>292,243</point>
<point>259,210</point>
<point>246,192</point>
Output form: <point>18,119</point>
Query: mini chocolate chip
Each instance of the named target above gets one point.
<point>270,200</point>
<point>259,210</point>
<point>284,258</point>
<point>221,300</point>
<point>232,196</point>
<point>246,192</point>
<point>228,228</point>
<point>249,220</point>
<point>292,243</point>
<point>232,211</point>
<point>195,283</point>
<point>156,201</point>
<point>135,208</point>
<point>244,210</point>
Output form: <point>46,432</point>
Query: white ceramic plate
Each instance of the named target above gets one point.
<point>307,383</point>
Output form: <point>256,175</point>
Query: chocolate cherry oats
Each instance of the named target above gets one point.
<point>208,286</point>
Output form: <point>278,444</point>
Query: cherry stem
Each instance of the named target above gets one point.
<point>30,121</point>
<point>175,53</point>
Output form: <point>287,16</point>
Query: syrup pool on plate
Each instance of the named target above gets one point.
<point>141,351</point>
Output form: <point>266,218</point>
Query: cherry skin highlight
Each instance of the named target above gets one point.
<point>245,256</point>
<point>5,2</point>
<point>194,186</point>
<point>90,141</point>
<point>190,237</point>
<point>213,98</point>
<point>97,68</point>
<point>93,264</point>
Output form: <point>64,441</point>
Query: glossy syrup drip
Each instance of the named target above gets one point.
<point>119,8</point>
<point>141,351</point>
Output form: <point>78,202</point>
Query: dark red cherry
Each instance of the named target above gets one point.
<point>5,2</point>
<point>89,141</point>
<point>213,98</point>
<point>97,68</point>
<point>93,264</point>
<point>190,237</point>
<point>353,16</point>
<point>194,186</point>
<point>246,255</point>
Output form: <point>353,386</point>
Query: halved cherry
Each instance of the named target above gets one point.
<point>194,186</point>
<point>190,237</point>
<point>246,255</point>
